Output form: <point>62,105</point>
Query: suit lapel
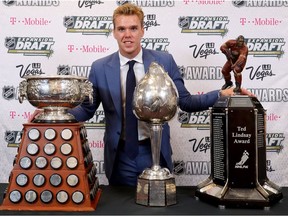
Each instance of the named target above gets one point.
<point>147,59</point>
<point>112,73</point>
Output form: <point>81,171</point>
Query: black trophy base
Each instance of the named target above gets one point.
<point>156,192</point>
<point>261,196</point>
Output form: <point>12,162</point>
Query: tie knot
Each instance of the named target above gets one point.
<point>131,63</point>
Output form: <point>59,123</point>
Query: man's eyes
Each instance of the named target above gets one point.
<point>132,29</point>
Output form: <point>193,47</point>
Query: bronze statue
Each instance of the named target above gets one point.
<point>236,52</point>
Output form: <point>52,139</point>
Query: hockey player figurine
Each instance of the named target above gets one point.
<point>236,52</point>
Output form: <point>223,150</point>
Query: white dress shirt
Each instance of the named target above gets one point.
<point>143,127</point>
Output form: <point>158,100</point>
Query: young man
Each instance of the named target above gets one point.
<point>108,76</point>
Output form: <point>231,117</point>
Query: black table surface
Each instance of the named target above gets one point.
<point>120,200</point>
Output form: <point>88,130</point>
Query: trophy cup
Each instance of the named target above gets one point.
<point>155,102</point>
<point>55,94</point>
<point>53,169</point>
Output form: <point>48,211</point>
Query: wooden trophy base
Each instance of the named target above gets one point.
<point>53,170</point>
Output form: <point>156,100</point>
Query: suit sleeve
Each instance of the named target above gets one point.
<point>189,102</point>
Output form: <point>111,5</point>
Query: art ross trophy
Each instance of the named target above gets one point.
<point>55,95</point>
<point>53,169</point>
<point>155,102</point>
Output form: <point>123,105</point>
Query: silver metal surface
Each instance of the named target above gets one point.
<point>72,162</point>
<point>62,197</point>
<point>155,102</point>
<point>15,196</point>
<point>155,96</point>
<point>30,196</point>
<point>25,162</point>
<point>66,134</point>
<point>50,134</point>
<point>77,197</point>
<point>56,162</point>
<point>22,179</point>
<point>32,149</point>
<point>49,148</point>
<point>41,162</point>
<point>39,180</point>
<point>55,180</point>
<point>46,196</point>
<point>34,134</point>
<point>72,180</point>
<point>66,148</point>
<point>55,94</point>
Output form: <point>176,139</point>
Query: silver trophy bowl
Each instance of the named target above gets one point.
<point>55,95</point>
<point>155,97</point>
<point>155,102</point>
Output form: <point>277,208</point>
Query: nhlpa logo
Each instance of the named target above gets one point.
<point>8,92</point>
<point>204,25</point>
<point>244,158</point>
<point>30,46</point>
<point>88,25</point>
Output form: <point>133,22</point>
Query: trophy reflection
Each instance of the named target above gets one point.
<point>155,102</point>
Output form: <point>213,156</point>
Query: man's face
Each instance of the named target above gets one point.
<point>128,33</point>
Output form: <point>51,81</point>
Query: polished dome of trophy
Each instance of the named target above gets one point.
<point>155,102</point>
<point>55,94</point>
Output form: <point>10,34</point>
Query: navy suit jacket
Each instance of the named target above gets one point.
<point>105,77</point>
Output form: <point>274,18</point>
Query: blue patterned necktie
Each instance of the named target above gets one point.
<point>131,142</point>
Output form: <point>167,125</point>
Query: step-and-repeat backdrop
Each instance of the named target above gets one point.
<point>49,37</point>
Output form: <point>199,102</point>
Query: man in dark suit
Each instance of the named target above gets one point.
<point>108,76</point>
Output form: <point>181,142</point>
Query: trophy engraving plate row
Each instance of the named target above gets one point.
<point>238,155</point>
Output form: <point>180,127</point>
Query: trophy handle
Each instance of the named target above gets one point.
<point>22,91</point>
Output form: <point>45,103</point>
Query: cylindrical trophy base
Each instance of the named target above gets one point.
<point>54,115</point>
<point>156,192</point>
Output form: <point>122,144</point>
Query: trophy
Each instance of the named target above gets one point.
<point>55,94</point>
<point>155,102</point>
<point>53,169</point>
<point>238,156</point>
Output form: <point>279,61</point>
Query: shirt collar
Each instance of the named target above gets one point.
<point>124,60</point>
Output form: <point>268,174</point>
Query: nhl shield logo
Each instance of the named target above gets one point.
<point>8,92</point>
<point>9,2</point>
<point>10,136</point>
<point>10,43</point>
<point>183,22</point>
<point>179,167</point>
<point>68,21</point>
<point>63,70</point>
<point>183,117</point>
<point>121,2</point>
